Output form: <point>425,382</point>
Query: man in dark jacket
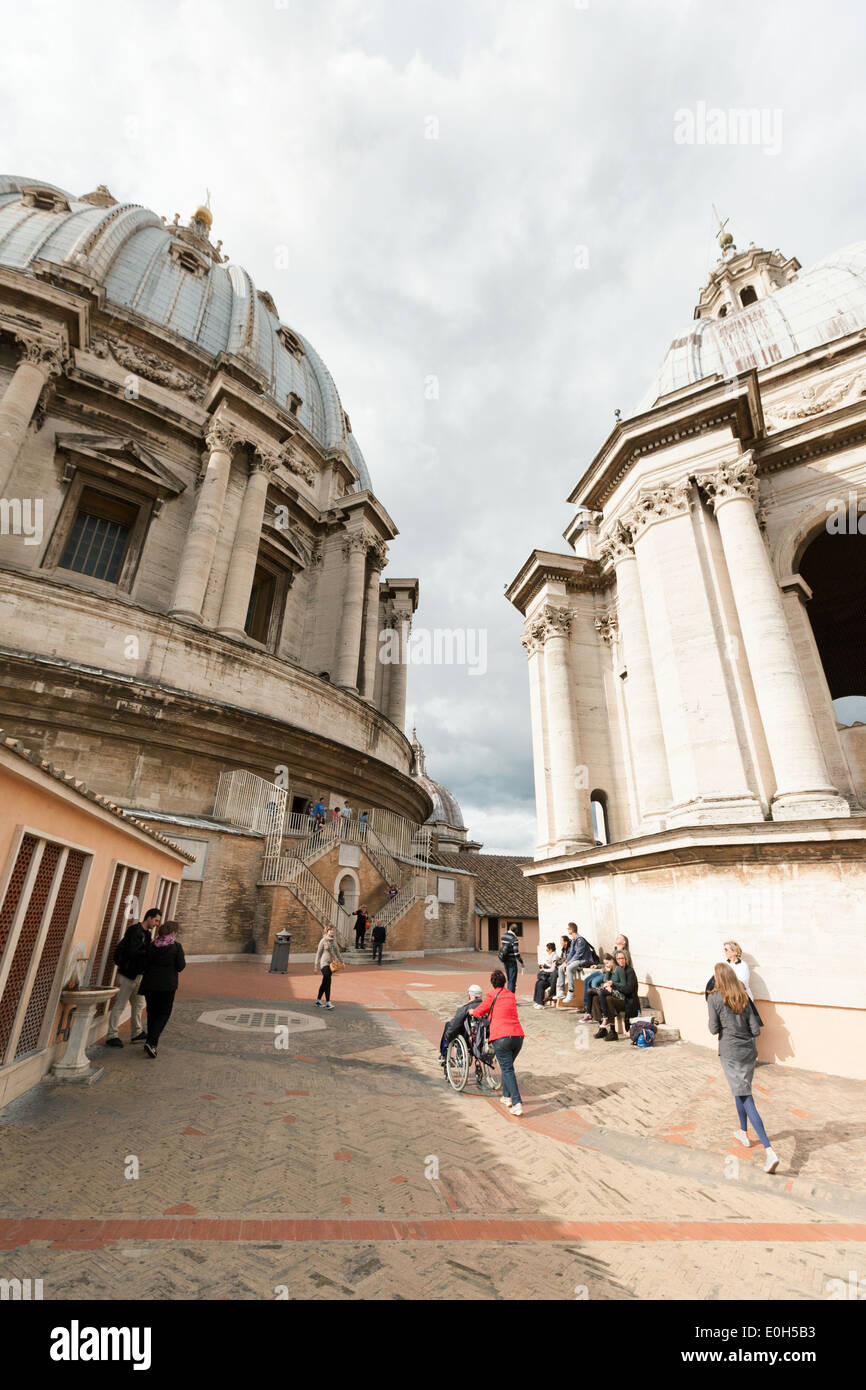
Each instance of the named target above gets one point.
<point>509,954</point>
<point>455,1025</point>
<point>378,941</point>
<point>130,957</point>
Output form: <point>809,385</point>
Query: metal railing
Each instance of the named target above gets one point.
<point>249,801</point>
<point>286,870</point>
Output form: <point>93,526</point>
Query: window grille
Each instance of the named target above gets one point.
<point>50,958</point>
<point>24,946</point>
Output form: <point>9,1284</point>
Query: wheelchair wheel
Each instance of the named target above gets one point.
<point>457,1063</point>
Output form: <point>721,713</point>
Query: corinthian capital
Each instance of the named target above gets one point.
<point>729,480</point>
<point>617,545</point>
<point>220,435</point>
<point>378,555</point>
<point>607,627</point>
<point>664,502</point>
<point>265,460</point>
<point>548,622</point>
<point>50,356</point>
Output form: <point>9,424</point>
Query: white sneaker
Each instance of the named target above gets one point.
<point>538,1006</point>
<point>517,1109</point>
<point>503,1100</point>
<point>318,1003</point>
<point>772,1162</point>
<point>569,999</point>
<point>743,1138</point>
<point>328,1005</point>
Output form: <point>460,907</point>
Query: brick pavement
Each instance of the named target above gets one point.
<point>343,1165</point>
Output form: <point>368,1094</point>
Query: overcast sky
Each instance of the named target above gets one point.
<point>434,168</point>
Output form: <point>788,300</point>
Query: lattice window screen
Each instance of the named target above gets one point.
<point>16,883</point>
<point>133,886</point>
<point>166,897</point>
<point>111,908</point>
<point>33,915</point>
<point>49,961</point>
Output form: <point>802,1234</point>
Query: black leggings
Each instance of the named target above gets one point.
<point>325,986</point>
<point>160,1003</point>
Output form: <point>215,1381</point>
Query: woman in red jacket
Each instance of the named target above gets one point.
<point>506,1036</point>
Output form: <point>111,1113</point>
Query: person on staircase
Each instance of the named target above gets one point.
<point>362,922</point>
<point>378,941</point>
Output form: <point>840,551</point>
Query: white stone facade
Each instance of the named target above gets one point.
<point>681,697</point>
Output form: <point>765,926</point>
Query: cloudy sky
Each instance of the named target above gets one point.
<point>490,231</point>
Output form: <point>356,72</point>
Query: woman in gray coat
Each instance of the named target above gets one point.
<point>328,952</point>
<point>734,1021</point>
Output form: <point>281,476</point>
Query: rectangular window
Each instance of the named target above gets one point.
<point>261,605</point>
<point>123,906</point>
<point>166,898</point>
<point>99,535</point>
<point>39,909</point>
<point>445,890</point>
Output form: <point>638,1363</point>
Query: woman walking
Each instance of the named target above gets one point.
<point>505,1034</point>
<point>737,1027</point>
<point>327,956</point>
<point>165,961</point>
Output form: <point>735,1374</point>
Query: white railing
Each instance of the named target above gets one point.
<point>394,909</point>
<point>249,801</point>
<point>286,870</point>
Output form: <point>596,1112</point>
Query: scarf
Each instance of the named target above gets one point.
<point>164,940</point>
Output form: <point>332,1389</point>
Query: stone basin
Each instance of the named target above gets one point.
<point>74,1065</point>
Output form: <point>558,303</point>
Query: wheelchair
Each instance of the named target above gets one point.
<point>472,1049</point>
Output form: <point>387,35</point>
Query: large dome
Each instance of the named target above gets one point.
<point>446,810</point>
<point>214,305</point>
<point>822,304</point>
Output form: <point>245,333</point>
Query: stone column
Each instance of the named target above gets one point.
<point>646,739</point>
<point>377,562</point>
<point>803,786</point>
<point>245,550</point>
<point>534,649</point>
<point>39,361</point>
<point>396,710</point>
<point>705,757</point>
<point>569,775</point>
<point>198,551</point>
<point>349,652</point>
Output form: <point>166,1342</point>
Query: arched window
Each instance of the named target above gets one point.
<point>723,311</point>
<point>598,806</point>
<point>834,567</point>
<point>748,295</point>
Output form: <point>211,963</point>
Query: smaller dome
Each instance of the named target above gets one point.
<point>446,811</point>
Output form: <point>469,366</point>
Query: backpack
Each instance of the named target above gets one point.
<point>642,1032</point>
<point>594,956</point>
<point>506,951</point>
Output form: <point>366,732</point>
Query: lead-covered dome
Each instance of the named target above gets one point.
<point>174,277</point>
<point>446,813</point>
<point>749,318</point>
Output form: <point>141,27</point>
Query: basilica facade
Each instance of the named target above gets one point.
<point>696,663</point>
<point>192,556</point>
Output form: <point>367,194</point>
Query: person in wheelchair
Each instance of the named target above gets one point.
<point>459,1022</point>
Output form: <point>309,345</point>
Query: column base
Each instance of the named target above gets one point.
<point>182,616</point>
<point>232,632</point>
<point>712,810</point>
<point>809,805</point>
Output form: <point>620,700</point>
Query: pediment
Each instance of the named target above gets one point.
<point>124,453</point>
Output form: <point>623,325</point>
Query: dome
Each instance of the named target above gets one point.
<point>446,810</point>
<point>173,277</point>
<point>822,304</point>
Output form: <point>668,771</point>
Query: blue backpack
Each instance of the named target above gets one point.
<point>642,1033</point>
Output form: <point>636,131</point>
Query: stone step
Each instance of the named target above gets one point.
<point>647,1010</point>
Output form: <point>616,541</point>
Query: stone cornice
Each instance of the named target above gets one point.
<point>718,405</point>
<point>545,565</point>
<point>662,503</point>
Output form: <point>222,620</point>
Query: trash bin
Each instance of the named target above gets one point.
<point>280,954</point>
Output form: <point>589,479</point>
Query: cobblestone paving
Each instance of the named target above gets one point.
<point>337,1163</point>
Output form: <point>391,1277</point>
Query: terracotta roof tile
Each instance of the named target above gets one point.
<point>500,888</point>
